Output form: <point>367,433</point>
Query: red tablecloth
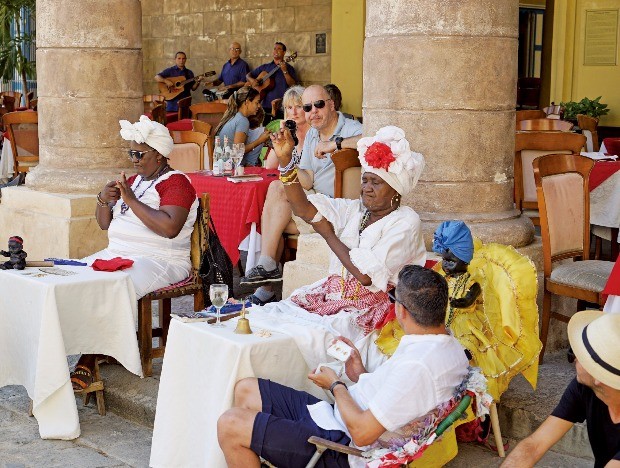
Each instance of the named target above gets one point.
<point>612,287</point>
<point>181,125</point>
<point>234,207</point>
<point>602,171</point>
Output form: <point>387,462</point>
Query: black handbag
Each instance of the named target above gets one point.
<point>215,265</point>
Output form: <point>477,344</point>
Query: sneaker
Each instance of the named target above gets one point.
<point>257,301</point>
<point>258,275</point>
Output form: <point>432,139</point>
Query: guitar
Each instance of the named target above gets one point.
<point>178,83</point>
<point>265,83</point>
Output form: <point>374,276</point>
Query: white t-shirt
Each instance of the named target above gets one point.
<point>423,373</point>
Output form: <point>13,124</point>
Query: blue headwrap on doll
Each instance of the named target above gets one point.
<point>456,236</point>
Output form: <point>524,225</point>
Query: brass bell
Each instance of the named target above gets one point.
<point>243,325</point>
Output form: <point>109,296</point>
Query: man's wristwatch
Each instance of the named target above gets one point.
<point>338,141</point>
<point>337,382</point>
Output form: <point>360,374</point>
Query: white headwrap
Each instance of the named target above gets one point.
<point>146,131</point>
<point>401,169</point>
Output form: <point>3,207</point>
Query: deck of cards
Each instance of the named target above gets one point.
<point>340,350</point>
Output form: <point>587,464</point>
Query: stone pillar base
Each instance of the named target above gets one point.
<point>51,224</point>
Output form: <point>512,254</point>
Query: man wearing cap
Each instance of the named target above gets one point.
<point>593,396</point>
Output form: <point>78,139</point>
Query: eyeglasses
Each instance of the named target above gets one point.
<point>393,299</point>
<point>317,104</point>
<point>138,155</point>
<point>570,355</point>
<point>236,48</point>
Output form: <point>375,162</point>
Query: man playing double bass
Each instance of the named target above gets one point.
<point>178,69</point>
<point>284,78</point>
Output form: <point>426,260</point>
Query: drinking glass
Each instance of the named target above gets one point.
<point>218,293</point>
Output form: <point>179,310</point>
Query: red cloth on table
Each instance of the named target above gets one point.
<point>612,146</point>
<point>115,264</point>
<point>180,125</point>
<point>234,207</point>
<point>602,171</point>
<point>612,287</point>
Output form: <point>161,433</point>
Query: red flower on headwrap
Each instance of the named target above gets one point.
<point>379,155</point>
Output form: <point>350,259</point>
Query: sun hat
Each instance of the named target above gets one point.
<point>388,155</point>
<point>595,339</point>
<point>146,131</point>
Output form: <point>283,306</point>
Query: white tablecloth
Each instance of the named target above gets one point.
<point>605,203</point>
<point>6,160</point>
<point>612,306</point>
<point>44,319</point>
<point>200,369</point>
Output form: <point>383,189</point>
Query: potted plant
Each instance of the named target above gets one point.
<point>590,107</point>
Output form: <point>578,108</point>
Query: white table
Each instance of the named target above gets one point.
<point>46,318</point>
<point>200,369</point>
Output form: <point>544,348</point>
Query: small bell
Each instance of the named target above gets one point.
<point>243,325</point>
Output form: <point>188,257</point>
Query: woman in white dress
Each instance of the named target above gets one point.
<point>371,240</point>
<point>149,218</point>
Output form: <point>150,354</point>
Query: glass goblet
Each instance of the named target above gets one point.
<point>218,293</point>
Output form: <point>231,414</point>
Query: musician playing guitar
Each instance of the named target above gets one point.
<point>175,71</point>
<point>282,79</point>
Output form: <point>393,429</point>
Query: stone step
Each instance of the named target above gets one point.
<point>521,410</point>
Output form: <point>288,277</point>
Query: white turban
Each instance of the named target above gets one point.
<point>146,131</point>
<point>391,159</point>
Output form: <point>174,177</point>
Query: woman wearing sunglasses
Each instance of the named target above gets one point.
<point>235,124</point>
<point>149,218</point>
<point>371,239</point>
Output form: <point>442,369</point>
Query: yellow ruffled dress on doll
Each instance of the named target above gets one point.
<point>500,329</point>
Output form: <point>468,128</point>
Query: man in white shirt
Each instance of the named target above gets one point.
<point>275,422</point>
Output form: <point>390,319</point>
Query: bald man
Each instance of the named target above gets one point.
<point>233,71</point>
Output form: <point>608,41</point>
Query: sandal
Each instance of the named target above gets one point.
<point>81,378</point>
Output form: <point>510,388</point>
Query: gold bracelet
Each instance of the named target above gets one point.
<point>296,181</point>
<point>100,201</point>
<point>289,176</point>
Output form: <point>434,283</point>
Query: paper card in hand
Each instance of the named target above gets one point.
<point>340,350</point>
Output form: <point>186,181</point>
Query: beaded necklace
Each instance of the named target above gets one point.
<point>124,207</point>
<point>355,296</point>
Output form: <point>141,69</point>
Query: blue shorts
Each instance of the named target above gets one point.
<point>281,431</point>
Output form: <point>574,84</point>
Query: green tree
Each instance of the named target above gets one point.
<point>12,46</point>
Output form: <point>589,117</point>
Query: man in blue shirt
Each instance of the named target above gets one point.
<point>172,72</point>
<point>284,78</point>
<point>233,71</point>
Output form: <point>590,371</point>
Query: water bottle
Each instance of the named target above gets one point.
<point>228,162</point>
<point>217,157</point>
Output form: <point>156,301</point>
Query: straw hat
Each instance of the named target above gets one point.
<point>595,339</point>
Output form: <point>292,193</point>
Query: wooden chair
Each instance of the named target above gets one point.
<point>29,97</point>
<point>528,146</point>
<point>188,159</point>
<point>589,127</point>
<point>192,286</point>
<point>184,105</point>
<point>158,114</point>
<point>24,136</point>
<point>33,104</point>
<point>348,175</point>
<point>544,125</point>
<point>564,200</point>
<point>210,112</point>
<point>151,100</point>
<point>529,114</point>
<point>207,129</point>
<point>14,94</point>
<point>8,104</point>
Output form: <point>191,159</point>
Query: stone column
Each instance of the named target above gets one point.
<point>89,72</point>
<point>446,73</point>
<point>89,76</point>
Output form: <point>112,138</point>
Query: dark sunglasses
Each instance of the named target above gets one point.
<point>570,356</point>
<point>317,104</point>
<point>138,155</point>
<point>393,297</point>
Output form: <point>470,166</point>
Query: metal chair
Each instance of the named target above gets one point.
<point>564,201</point>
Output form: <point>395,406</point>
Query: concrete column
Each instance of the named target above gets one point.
<point>89,72</point>
<point>446,73</point>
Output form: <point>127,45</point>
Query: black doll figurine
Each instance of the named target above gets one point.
<point>454,242</point>
<point>16,254</point>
